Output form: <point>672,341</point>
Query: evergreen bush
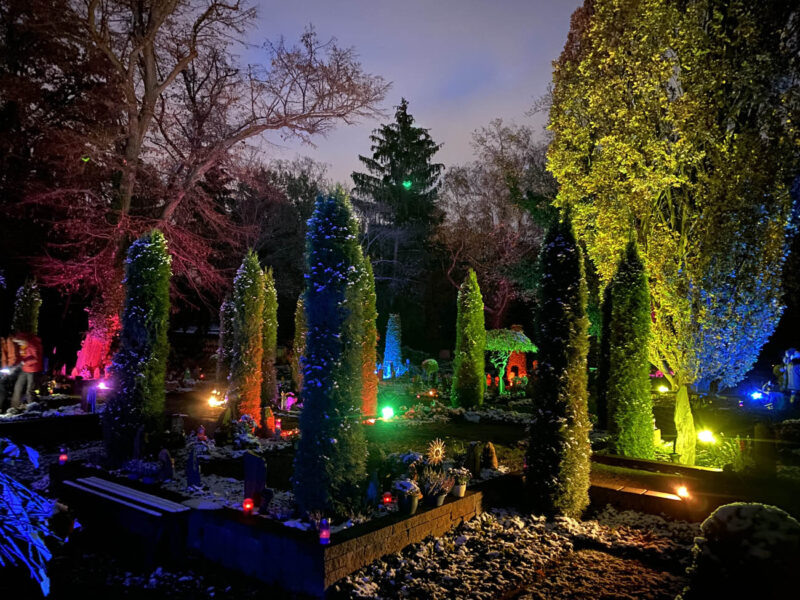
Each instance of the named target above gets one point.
<point>630,406</point>
<point>369,359</point>
<point>248,342</point>
<point>26,309</point>
<point>469,380</point>
<point>392,349</point>
<point>557,462</point>
<point>269,332</point>
<point>139,367</point>
<point>298,346</point>
<point>330,461</point>
<point>225,346</point>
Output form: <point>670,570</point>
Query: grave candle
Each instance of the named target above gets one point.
<point>324,532</point>
<point>247,506</point>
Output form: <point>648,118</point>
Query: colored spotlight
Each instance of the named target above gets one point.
<point>683,492</point>
<point>663,389</point>
<point>387,412</point>
<point>407,184</point>
<point>706,436</point>
<point>757,395</point>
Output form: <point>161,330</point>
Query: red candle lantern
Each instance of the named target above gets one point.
<point>324,532</point>
<point>387,498</point>
<point>247,506</point>
<point>63,457</point>
<point>277,426</point>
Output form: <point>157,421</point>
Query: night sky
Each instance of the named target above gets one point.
<point>459,63</point>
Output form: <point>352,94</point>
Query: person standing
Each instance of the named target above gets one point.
<point>30,350</point>
<point>9,359</point>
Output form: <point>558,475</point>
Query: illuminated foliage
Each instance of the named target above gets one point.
<point>392,349</point>
<point>26,309</point>
<point>369,378</point>
<point>269,332</point>
<point>557,473</point>
<point>679,122</point>
<point>140,365</point>
<point>630,406</point>
<point>469,382</point>
<point>248,338</point>
<point>500,343</point>
<point>298,345</point>
<point>225,345</point>
<point>330,460</point>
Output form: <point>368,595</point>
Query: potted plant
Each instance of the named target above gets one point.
<point>408,495</point>
<point>461,477</point>
<point>435,486</point>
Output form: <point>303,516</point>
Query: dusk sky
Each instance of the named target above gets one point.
<point>459,63</point>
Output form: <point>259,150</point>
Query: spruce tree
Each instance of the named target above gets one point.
<point>269,332</point>
<point>369,379</point>
<point>393,348</point>
<point>298,345</point>
<point>630,405</point>
<point>559,451</point>
<point>469,380</point>
<point>225,345</point>
<point>26,309</point>
<point>139,367</point>
<point>248,341</point>
<point>329,464</point>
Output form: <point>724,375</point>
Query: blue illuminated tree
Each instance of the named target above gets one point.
<point>392,352</point>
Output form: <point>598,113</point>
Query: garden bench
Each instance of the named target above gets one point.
<point>126,496</point>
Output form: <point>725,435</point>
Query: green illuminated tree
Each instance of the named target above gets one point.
<point>269,332</point>
<point>26,309</point>
<point>140,365</point>
<point>500,343</point>
<point>469,379</point>
<point>558,458</point>
<point>369,390</point>
<point>630,406</point>
<point>225,345</point>
<point>248,338</point>
<point>298,345</point>
<point>679,121</point>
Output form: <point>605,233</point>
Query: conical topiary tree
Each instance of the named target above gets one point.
<point>557,470</point>
<point>140,365</point>
<point>298,345</point>
<point>604,360</point>
<point>392,351</point>
<point>369,379</point>
<point>329,464</point>
<point>248,342</point>
<point>269,333</point>
<point>630,406</point>
<point>26,309</point>
<point>225,346</point>
<point>469,380</point>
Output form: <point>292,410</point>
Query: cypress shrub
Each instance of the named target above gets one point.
<point>298,345</point>
<point>392,349</point>
<point>604,360</point>
<point>225,346</point>
<point>330,461</point>
<point>139,367</point>
<point>469,380</point>
<point>26,309</point>
<point>248,342</point>
<point>369,379</point>
<point>630,406</point>
<point>269,332</point>
<point>559,452</point>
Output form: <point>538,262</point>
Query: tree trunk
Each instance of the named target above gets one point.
<point>684,424</point>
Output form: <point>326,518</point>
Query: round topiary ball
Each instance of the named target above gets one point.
<point>747,550</point>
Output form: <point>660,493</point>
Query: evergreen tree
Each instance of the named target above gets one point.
<point>397,198</point>
<point>559,451</point>
<point>393,349</point>
<point>26,309</point>
<point>604,360</point>
<point>630,405</point>
<point>298,345</point>
<point>225,345</point>
<point>469,379</point>
<point>330,461</point>
<point>269,332</point>
<point>248,340</point>
<point>140,365</point>
<point>369,379</point>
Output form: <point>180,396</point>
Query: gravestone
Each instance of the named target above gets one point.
<point>166,465</point>
<point>489,457</point>
<point>255,477</point>
<point>193,468</point>
<point>473,459</point>
<point>267,494</point>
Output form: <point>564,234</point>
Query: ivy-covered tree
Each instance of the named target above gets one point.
<point>298,345</point>
<point>225,345</point>
<point>469,380</point>
<point>558,459</point>
<point>248,339</point>
<point>269,332</point>
<point>397,200</point>
<point>26,309</point>
<point>392,348</point>
<point>500,343</point>
<point>679,120</point>
<point>369,378</point>
<point>330,462</point>
<point>140,365</point>
<point>630,406</point>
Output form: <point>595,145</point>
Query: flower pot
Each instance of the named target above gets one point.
<point>407,505</point>
<point>459,490</point>
<point>436,500</point>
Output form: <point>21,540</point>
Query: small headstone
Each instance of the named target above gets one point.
<point>137,443</point>
<point>91,400</point>
<point>166,466</point>
<point>255,477</point>
<point>473,460</point>
<point>193,468</point>
<point>267,494</point>
<point>489,457</point>
<point>372,489</point>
